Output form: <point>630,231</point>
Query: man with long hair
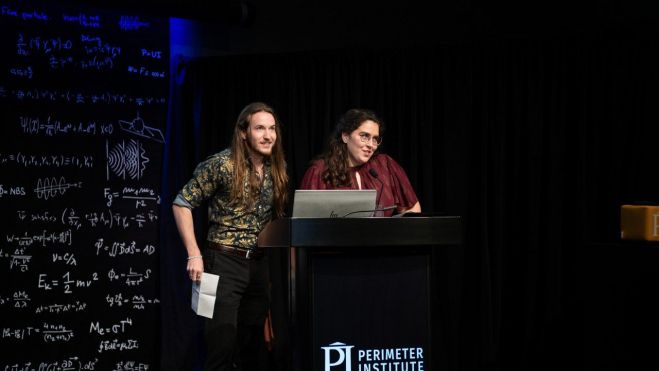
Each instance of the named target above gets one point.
<point>246,186</point>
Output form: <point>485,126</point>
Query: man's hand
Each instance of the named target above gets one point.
<point>195,268</point>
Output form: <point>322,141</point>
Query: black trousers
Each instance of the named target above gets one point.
<point>234,336</point>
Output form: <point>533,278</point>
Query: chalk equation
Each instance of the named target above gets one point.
<point>18,259</point>
<point>56,62</point>
<point>55,333</point>
<point>112,219</point>
<point>65,258</point>
<point>94,44</point>
<point>37,216</point>
<point>131,366</point>
<point>49,333</point>
<point>145,72</point>
<point>75,307</point>
<point>119,248</point>
<point>109,218</point>
<point>132,23</point>
<point>19,299</point>
<point>22,71</point>
<point>99,63</point>
<point>134,301</point>
<point>83,20</point>
<point>32,45</point>
<point>61,52</point>
<point>29,160</point>
<point>67,364</point>
<point>40,45</point>
<point>18,333</point>
<point>44,238</point>
<point>50,126</point>
<point>130,278</point>
<point>118,345</point>
<point>12,191</point>
<point>141,196</point>
<point>151,54</point>
<point>77,97</point>
<point>115,328</point>
<point>65,282</point>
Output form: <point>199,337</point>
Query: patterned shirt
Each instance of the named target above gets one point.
<point>231,225</point>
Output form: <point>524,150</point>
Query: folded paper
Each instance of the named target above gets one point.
<point>203,294</point>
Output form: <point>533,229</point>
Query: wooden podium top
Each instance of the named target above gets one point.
<point>337,232</point>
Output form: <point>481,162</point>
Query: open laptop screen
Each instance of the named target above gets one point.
<point>339,203</point>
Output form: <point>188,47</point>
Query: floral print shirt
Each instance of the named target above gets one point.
<point>231,225</point>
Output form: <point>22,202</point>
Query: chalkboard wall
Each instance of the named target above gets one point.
<point>83,97</point>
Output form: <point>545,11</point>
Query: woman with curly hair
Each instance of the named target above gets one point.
<point>352,161</point>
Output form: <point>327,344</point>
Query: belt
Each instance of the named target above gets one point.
<point>255,253</point>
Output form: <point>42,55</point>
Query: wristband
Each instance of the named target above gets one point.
<point>194,257</point>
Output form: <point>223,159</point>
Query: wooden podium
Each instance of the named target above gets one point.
<point>360,290</point>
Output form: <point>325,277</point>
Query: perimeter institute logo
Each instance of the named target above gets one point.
<point>338,357</point>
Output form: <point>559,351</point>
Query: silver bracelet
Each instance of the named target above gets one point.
<point>195,257</point>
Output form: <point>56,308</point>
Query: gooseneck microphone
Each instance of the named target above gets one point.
<point>369,211</point>
<point>374,174</point>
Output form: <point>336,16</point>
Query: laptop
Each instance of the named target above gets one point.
<point>336,203</point>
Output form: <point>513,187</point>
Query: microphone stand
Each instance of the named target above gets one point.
<point>369,211</point>
<point>374,174</point>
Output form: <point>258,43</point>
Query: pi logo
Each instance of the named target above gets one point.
<point>336,355</point>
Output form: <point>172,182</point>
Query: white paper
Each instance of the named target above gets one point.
<point>203,294</point>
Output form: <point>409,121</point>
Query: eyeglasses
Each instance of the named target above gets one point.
<point>367,138</point>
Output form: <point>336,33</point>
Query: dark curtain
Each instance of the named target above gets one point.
<point>181,328</point>
<point>535,142</point>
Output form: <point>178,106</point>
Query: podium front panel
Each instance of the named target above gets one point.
<point>370,311</point>
<point>359,291</point>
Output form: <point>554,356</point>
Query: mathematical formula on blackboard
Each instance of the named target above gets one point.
<point>83,101</point>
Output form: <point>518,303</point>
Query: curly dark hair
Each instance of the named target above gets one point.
<point>336,156</point>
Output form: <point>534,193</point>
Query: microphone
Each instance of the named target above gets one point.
<point>369,211</point>
<point>374,174</point>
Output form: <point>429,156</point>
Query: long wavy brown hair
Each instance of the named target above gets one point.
<point>242,165</point>
<point>336,156</point>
